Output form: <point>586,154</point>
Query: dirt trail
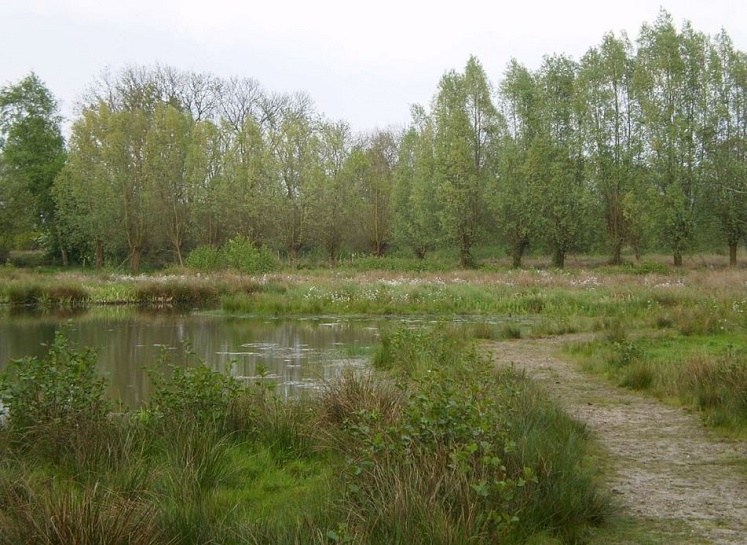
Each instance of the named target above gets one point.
<point>666,468</point>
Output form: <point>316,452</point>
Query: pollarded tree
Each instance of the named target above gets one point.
<point>333,191</point>
<point>32,152</point>
<point>556,161</point>
<point>726,188</point>
<point>294,145</point>
<point>375,190</point>
<point>467,126</point>
<point>165,170</point>
<point>206,173</point>
<point>671,87</point>
<point>246,190</point>
<point>612,137</point>
<point>415,204</point>
<point>87,207</point>
<point>515,197</point>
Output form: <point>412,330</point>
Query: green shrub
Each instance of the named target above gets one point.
<point>467,453</point>
<point>196,392</point>
<point>62,388</point>
<point>204,258</point>
<point>646,267</point>
<point>239,254</point>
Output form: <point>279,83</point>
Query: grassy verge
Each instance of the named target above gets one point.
<point>436,447</point>
<point>706,372</point>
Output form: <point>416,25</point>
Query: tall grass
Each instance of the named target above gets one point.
<point>439,449</point>
<point>460,452</point>
<point>47,295</point>
<point>58,512</point>
<point>705,372</point>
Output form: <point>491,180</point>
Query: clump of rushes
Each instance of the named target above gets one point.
<point>464,452</point>
<point>705,372</point>
<point>442,448</point>
<point>194,293</point>
<point>717,385</point>
<point>48,296</point>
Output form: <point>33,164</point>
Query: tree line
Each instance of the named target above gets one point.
<point>639,144</point>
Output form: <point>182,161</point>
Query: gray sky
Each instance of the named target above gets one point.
<point>362,62</point>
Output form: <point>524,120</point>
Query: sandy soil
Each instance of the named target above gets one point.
<point>664,466</point>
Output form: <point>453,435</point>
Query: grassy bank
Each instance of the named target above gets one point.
<point>436,447</point>
<point>675,332</point>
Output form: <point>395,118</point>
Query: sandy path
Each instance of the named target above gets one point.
<point>665,467</point>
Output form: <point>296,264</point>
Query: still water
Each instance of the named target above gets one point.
<point>297,355</point>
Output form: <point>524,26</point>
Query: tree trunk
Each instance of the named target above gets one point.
<point>733,254</point>
<point>517,253</point>
<point>178,254</point>
<point>617,253</point>
<point>98,250</point>
<point>558,258</point>
<point>135,259</point>
<point>465,258</point>
<point>63,250</point>
<point>332,255</point>
<point>678,259</point>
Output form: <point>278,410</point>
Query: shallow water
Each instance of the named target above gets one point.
<point>297,355</point>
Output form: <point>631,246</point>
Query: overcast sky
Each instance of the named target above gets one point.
<point>364,62</point>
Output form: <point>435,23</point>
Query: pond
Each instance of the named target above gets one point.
<point>297,355</point>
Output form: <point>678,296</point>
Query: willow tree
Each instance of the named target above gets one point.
<point>374,163</point>
<point>466,136</point>
<point>333,190</point>
<point>414,194</point>
<point>726,188</point>
<point>671,87</point>
<point>165,169</point>
<point>515,195</point>
<point>294,147</point>
<point>556,161</point>
<point>87,205</point>
<point>612,137</point>
<point>32,152</point>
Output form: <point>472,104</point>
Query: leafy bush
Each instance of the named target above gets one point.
<point>196,392</point>
<point>61,389</point>
<point>468,453</point>
<point>204,258</point>
<point>239,254</point>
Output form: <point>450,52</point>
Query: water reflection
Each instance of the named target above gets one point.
<point>295,354</point>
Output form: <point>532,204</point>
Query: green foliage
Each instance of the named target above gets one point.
<point>63,389</point>
<point>462,452</point>
<point>32,152</point>
<point>204,258</point>
<point>239,254</point>
<point>198,391</point>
